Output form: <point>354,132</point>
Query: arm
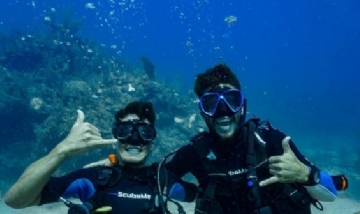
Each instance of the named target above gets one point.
<point>181,190</point>
<point>27,190</point>
<point>325,190</point>
<point>78,184</point>
<point>183,161</point>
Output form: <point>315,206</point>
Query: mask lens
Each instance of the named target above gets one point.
<point>209,102</point>
<point>234,99</point>
<point>124,130</point>
<point>146,132</point>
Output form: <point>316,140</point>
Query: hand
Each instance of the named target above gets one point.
<point>104,162</point>
<point>82,137</point>
<point>286,168</point>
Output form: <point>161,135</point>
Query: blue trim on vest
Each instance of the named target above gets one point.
<point>81,188</point>
<point>327,182</point>
<point>177,192</point>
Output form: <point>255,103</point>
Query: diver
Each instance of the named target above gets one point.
<point>129,186</point>
<point>246,167</point>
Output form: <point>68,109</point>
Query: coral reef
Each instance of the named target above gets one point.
<point>61,72</point>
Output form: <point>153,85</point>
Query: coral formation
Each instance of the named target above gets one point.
<point>61,72</point>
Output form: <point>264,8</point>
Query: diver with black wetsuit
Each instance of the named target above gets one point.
<point>126,187</point>
<point>246,167</point>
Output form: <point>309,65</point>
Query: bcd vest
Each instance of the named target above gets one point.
<point>110,176</point>
<point>244,192</point>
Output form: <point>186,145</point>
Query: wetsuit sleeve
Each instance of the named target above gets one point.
<point>184,161</point>
<point>325,190</point>
<point>79,184</point>
<point>180,190</point>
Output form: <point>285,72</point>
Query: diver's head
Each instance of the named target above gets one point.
<point>135,131</point>
<point>221,102</point>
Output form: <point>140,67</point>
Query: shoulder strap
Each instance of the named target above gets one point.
<point>257,139</point>
<point>251,162</point>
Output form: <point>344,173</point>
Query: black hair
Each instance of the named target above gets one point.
<point>142,109</point>
<point>220,73</point>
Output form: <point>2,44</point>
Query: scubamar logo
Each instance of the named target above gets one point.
<point>132,195</point>
<point>237,172</point>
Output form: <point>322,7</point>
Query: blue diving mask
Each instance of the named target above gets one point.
<point>210,101</point>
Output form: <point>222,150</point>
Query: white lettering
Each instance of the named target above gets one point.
<point>237,172</point>
<point>134,196</point>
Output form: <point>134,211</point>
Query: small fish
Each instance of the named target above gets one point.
<point>89,6</point>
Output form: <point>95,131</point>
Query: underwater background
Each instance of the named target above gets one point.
<point>298,63</point>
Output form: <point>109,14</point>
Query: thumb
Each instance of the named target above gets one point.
<point>80,117</point>
<point>269,181</point>
<point>285,144</point>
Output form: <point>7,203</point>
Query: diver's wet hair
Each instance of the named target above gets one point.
<point>221,73</point>
<point>142,109</point>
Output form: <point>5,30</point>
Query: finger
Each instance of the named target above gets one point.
<point>274,172</point>
<point>93,132</point>
<point>89,137</point>
<point>285,144</point>
<point>98,163</point>
<point>103,142</point>
<point>269,181</point>
<point>92,127</point>
<point>80,117</point>
<point>95,137</point>
<point>275,166</point>
<point>104,162</point>
<point>90,165</point>
<point>274,159</point>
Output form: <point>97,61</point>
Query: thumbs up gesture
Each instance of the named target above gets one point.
<point>82,137</point>
<point>286,168</point>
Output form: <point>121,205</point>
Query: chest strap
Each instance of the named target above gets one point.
<point>253,184</point>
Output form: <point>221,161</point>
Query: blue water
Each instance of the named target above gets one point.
<point>298,61</point>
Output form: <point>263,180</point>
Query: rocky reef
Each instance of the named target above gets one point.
<point>45,76</point>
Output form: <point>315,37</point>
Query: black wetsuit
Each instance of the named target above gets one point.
<point>127,196</point>
<point>231,190</point>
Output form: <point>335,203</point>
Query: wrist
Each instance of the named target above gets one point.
<point>312,176</point>
<point>305,173</point>
<point>60,152</point>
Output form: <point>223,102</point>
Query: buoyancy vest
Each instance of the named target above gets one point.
<point>109,176</point>
<point>243,195</point>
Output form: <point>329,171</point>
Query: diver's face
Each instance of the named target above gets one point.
<point>131,152</point>
<point>224,123</point>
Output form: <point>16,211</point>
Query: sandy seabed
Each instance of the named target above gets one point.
<point>342,205</point>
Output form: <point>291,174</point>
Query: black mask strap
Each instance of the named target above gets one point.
<point>243,117</point>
